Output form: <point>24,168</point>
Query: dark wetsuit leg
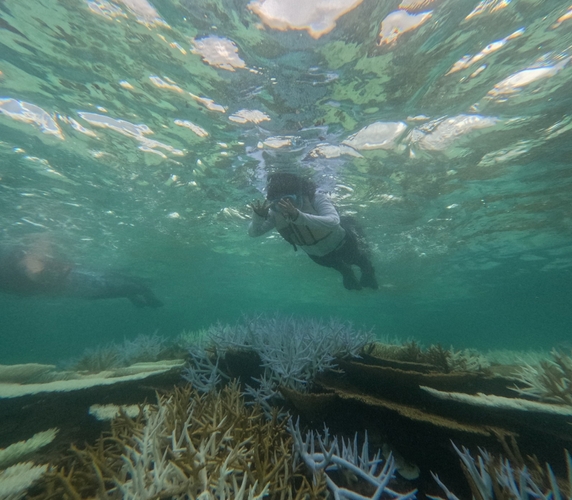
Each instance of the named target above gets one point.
<point>350,253</point>
<point>358,251</point>
<point>337,260</point>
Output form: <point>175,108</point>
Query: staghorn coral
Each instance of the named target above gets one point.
<point>281,352</point>
<point>549,380</point>
<point>266,394</point>
<point>187,446</point>
<point>202,372</point>
<point>467,360</point>
<point>492,478</point>
<point>291,352</point>
<point>325,454</point>
<point>143,348</point>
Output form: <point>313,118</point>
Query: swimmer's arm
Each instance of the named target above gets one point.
<point>327,217</point>
<point>260,225</point>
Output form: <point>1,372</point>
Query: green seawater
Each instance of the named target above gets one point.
<point>463,186</point>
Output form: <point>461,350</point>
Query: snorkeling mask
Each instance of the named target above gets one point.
<point>294,198</point>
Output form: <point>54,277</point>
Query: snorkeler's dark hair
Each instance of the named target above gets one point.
<point>281,183</point>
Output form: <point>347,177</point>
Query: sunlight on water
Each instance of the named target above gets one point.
<point>137,132</point>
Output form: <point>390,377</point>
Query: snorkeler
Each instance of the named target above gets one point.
<point>309,220</point>
<point>28,272</point>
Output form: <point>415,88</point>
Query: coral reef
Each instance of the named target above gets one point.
<point>329,372</point>
<point>415,406</point>
<point>231,433</point>
<point>192,445</point>
<point>63,400</point>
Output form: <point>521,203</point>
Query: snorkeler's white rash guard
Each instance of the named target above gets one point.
<point>320,216</point>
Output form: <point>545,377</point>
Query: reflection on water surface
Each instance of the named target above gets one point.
<point>136,133</point>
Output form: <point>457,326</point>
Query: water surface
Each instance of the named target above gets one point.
<point>134,136</point>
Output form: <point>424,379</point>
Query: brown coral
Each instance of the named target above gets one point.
<point>186,446</point>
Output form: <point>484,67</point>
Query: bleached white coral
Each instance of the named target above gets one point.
<point>109,412</point>
<point>493,401</point>
<point>327,453</point>
<point>17,451</point>
<point>486,476</point>
<point>549,380</point>
<point>139,371</point>
<point>469,360</point>
<point>294,351</point>
<point>15,480</point>
<point>213,463</point>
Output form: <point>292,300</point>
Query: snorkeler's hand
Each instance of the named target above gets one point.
<point>289,211</point>
<point>260,209</point>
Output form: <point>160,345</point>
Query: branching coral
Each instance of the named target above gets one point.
<point>203,370</point>
<point>325,454</point>
<point>550,380</point>
<point>187,446</point>
<point>291,352</point>
<point>142,348</point>
<point>497,479</point>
